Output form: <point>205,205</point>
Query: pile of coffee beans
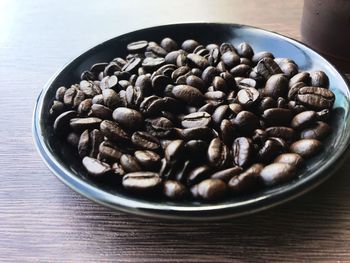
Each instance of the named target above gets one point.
<point>194,121</point>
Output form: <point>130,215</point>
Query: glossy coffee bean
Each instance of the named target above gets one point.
<point>315,97</point>
<point>248,97</point>
<point>174,190</point>
<point>169,44</point>
<point>226,174</point>
<point>113,131</point>
<point>130,163</point>
<point>243,151</point>
<point>212,189</point>
<point>218,153</point>
<point>95,167</point>
<point>109,151</point>
<point>319,79</point>
<point>285,133</point>
<point>188,94</point>
<point>304,119</point>
<point>306,147</point>
<point>145,140</point>
<point>174,150</point>
<point>276,86</point>
<point>246,122</point>
<point>147,159</point>
<point>141,182</point>
<point>277,173</point>
<point>128,118</point>
<point>246,181</point>
<point>293,159</point>
<point>277,116</point>
<point>267,67</point>
<point>318,130</point>
<point>81,124</point>
<point>196,119</point>
<point>269,150</point>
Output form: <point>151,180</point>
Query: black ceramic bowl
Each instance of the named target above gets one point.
<point>66,166</point>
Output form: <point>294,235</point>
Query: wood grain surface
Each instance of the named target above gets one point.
<point>42,220</point>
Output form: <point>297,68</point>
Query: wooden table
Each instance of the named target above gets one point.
<point>42,220</point>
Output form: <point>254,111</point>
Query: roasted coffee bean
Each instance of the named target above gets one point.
<point>132,65</point>
<point>128,118</point>
<point>285,133</point>
<point>315,97</point>
<point>212,189</point>
<point>267,67</point>
<point>147,159</point>
<point>197,119</point>
<point>60,93</point>
<point>81,124</point>
<point>276,86</point>
<point>95,167</point>
<point>277,116</point>
<point>113,131</point>
<point>110,98</point>
<point>303,120</point>
<point>318,131</point>
<point>196,82</point>
<point>168,44</point>
<point>109,71</point>
<point>56,109</point>
<point>62,122</point>
<point>289,69</point>
<point>230,59</point>
<point>219,84</point>
<point>318,79</point>
<point>218,153</point>
<point>98,99</point>
<point>174,190</point>
<point>243,151</point>
<point>306,147</point>
<point>290,158</point>
<point>151,64</point>
<point>171,57</point>
<point>219,114</point>
<point>226,174</point>
<point>235,108</point>
<point>129,163</point>
<point>270,150</point>
<point>282,103</point>
<point>300,77</point>
<point>241,70</point>
<point>188,94</point>
<point>246,83</point>
<point>84,144</point>
<point>174,150</point>
<point>245,50</point>
<point>260,55</point>
<point>160,127</point>
<point>248,97</point>
<point>198,174</point>
<point>294,89</point>
<point>197,133</point>
<point>89,88</point>
<point>96,138</point>
<point>145,141</point>
<point>277,173</point>
<point>247,181</point>
<point>189,45</point>
<point>180,72</point>
<point>227,47</point>
<point>137,47</point>
<point>110,151</point>
<point>141,182</point>
<point>98,67</point>
<point>246,122</point>
<point>100,111</point>
<point>209,74</point>
<point>228,132</point>
<point>197,61</point>
<point>196,149</point>
<point>217,96</point>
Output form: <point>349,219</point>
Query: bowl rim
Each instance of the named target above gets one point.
<point>200,213</point>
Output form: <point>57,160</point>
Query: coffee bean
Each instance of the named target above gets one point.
<point>248,97</point>
<point>245,50</point>
<point>226,174</point>
<point>318,131</point>
<point>270,150</point>
<point>69,95</point>
<point>168,44</point>
<point>189,45</point>
<point>188,94</point>
<point>315,97</point>
<point>81,124</point>
<point>303,120</point>
<point>230,59</point>
<point>109,71</point>
<point>174,150</point>
<point>198,174</point>
<point>294,89</point>
<point>60,93</point>
<point>319,79</point>
<point>277,173</point>
<point>98,67</point>
<point>174,190</point>
<point>128,118</point>
<point>198,61</point>
<point>56,109</point>
<point>113,131</point>
<point>228,132</point>
<point>212,189</point>
<point>276,86</point>
<point>142,182</point>
<point>218,153</point>
<point>267,67</point>
<point>100,111</point>
<point>132,65</point>
<point>285,133</point>
<point>260,55</point>
<point>209,73</point>
<point>110,151</point>
<point>306,147</point>
<point>246,122</point>
<point>137,47</point>
<point>147,159</point>
<point>89,88</point>
<point>290,158</point>
<point>95,167</point>
<point>84,144</point>
<point>110,98</point>
<point>227,47</point>
<point>151,64</point>
<point>160,127</point>
<point>241,70</point>
<point>277,116</point>
<point>246,181</point>
<point>129,163</point>
<point>219,114</point>
<point>215,96</point>
<point>243,151</point>
<point>145,140</point>
<point>197,119</point>
<point>219,84</point>
<point>98,99</point>
<point>300,77</point>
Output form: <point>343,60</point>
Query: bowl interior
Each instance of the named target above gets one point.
<point>59,155</point>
